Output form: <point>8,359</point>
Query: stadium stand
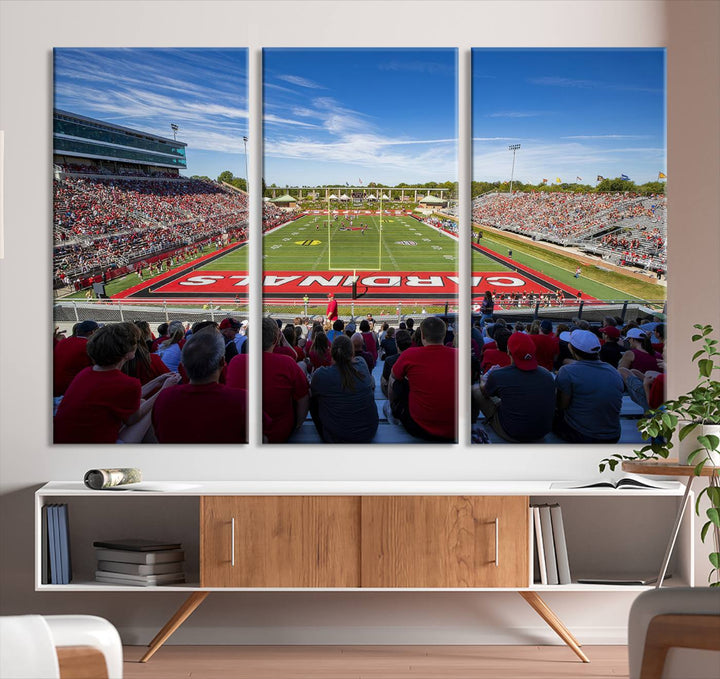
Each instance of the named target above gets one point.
<point>627,229</point>
<point>114,222</point>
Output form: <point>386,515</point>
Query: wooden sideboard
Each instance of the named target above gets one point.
<point>356,536</point>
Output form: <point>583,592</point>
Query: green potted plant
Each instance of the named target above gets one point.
<point>696,412</point>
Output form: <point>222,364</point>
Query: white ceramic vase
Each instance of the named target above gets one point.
<point>690,443</point>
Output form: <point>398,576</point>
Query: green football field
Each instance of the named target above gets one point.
<point>390,243</point>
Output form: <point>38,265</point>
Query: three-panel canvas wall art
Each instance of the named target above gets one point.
<point>361,245</point>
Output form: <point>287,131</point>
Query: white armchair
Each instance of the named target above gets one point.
<point>59,647</point>
<point>674,633</point>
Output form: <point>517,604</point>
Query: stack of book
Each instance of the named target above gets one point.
<point>56,565</point>
<point>552,565</point>
<point>142,563</point>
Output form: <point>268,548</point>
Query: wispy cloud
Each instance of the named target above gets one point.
<point>566,160</point>
<point>608,136</point>
<point>301,82</point>
<point>416,66</point>
<point>557,81</point>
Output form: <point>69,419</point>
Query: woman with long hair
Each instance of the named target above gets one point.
<point>319,353</point>
<point>144,365</point>
<point>170,351</point>
<point>342,402</point>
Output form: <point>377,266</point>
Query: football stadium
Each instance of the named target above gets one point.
<point>360,280</point>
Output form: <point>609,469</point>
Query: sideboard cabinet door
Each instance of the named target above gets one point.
<point>289,541</point>
<point>445,541</point>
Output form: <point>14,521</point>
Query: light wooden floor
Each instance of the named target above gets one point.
<point>378,662</point>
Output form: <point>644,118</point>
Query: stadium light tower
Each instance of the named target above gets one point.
<point>174,128</point>
<point>513,148</point>
<point>247,179</point>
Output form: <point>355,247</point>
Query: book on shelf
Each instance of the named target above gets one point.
<point>139,580</point>
<point>619,482</point>
<point>542,575</point>
<point>129,556</point>
<point>137,545</point>
<point>549,545</point>
<point>64,538</point>
<point>561,551</point>
<point>53,545</point>
<point>139,568</point>
<point>45,552</point>
<point>623,579</point>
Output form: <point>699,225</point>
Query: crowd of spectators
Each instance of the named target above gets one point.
<point>565,378</point>
<point>108,222</point>
<point>627,227</point>
<point>123,383</point>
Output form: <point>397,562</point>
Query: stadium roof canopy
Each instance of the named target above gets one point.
<point>344,197</point>
<point>332,196</point>
<point>287,198</point>
<point>76,136</point>
<point>371,197</point>
<point>384,197</point>
<point>432,200</point>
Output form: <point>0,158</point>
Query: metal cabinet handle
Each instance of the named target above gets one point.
<point>232,542</point>
<point>497,542</point>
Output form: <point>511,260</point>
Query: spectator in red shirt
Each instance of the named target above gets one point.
<point>102,404</point>
<point>203,411</point>
<point>284,386</point>
<point>422,386</point>
<point>70,356</point>
<point>547,345</point>
<point>332,308</point>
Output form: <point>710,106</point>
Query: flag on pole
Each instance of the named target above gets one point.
<point>557,180</point>
<point>360,180</point>
<point>578,179</point>
<point>544,181</point>
<point>624,177</point>
<point>600,178</point>
<point>662,175</point>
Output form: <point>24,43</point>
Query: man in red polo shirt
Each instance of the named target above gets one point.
<point>422,386</point>
<point>332,308</point>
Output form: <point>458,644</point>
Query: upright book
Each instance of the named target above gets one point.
<point>540,546</point>
<point>561,551</point>
<point>549,545</point>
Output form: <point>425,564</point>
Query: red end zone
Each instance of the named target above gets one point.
<point>283,283</point>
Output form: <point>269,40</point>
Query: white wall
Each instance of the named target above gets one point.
<point>28,32</point>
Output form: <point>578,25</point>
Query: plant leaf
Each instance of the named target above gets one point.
<point>705,366</point>
<point>704,530</point>
<point>715,559</point>
<point>714,516</point>
<point>687,429</point>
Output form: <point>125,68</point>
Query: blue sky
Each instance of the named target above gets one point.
<point>575,113</point>
<point>204,91</point>
<point>345,115</point>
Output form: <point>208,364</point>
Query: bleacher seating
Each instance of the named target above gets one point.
<point>627,229</point>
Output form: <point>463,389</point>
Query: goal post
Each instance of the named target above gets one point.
<point>349,247</point>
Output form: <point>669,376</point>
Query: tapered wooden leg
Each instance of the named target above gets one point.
<point>546,613</point>
<point>180,616</point>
